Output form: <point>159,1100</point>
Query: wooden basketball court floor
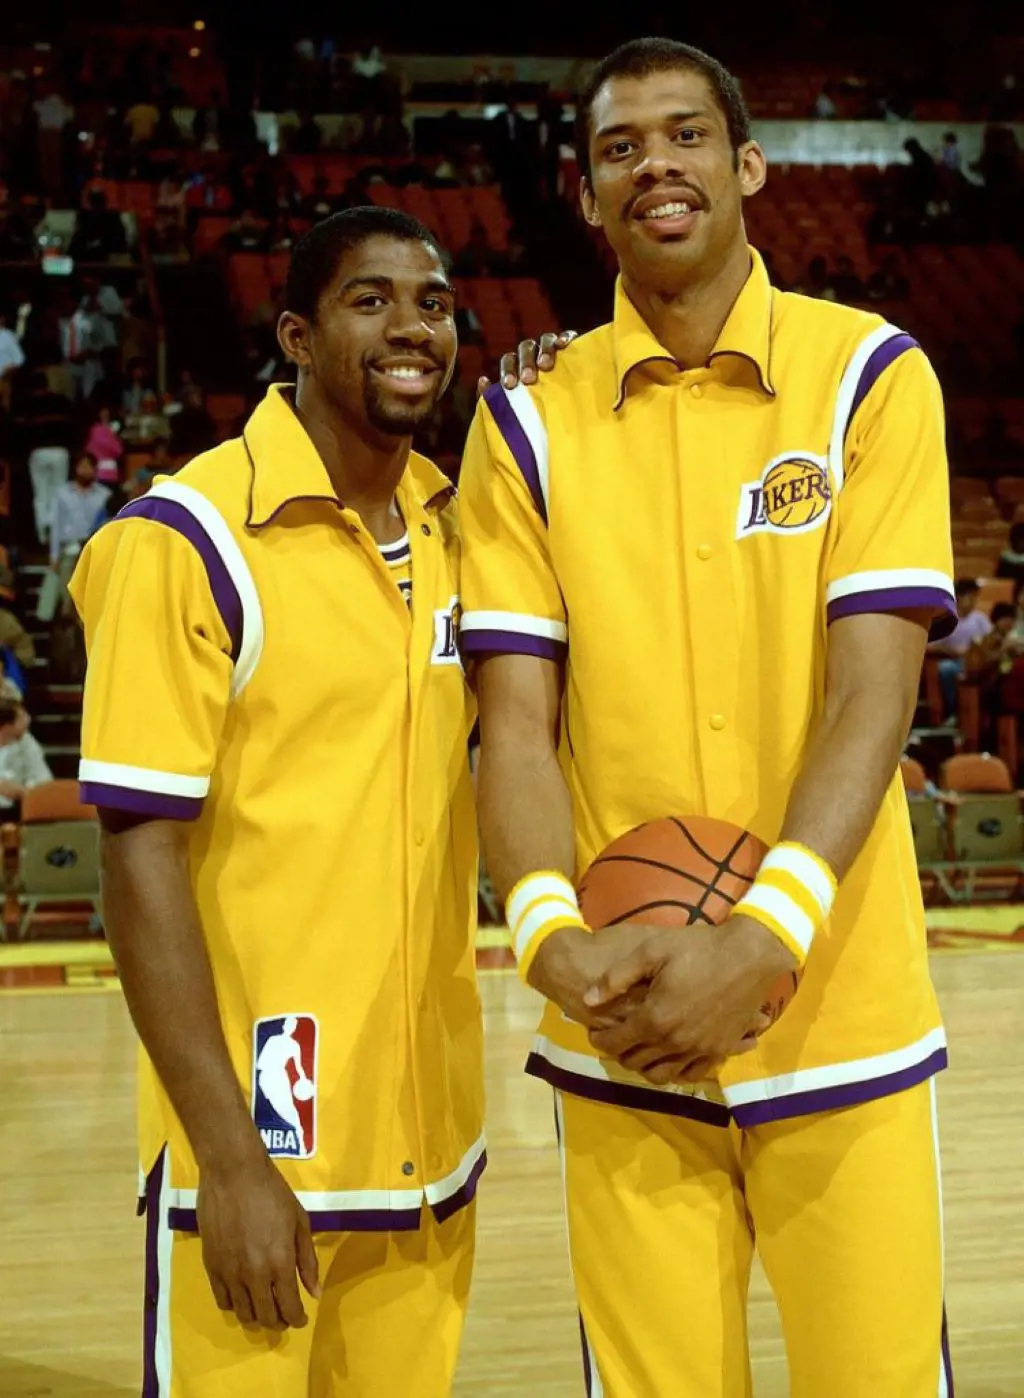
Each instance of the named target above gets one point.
<point>71,1248</point>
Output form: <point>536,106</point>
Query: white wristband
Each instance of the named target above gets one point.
<point>539,904</point>
<point>792,896</point>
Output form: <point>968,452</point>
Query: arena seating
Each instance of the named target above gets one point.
<point>452,212</point>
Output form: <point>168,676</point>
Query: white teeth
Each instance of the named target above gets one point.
<point>668,211</point>
<point>404,371</point>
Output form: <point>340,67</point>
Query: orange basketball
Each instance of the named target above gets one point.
<point>673,873</point>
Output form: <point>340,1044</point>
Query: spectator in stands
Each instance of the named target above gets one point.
<point>86,337</point>
<point>818,281</point>
<point>950,155</point>
<point>191,426</point>
<point>995,450</point>
<point>166,132</point>
<point>889,282</point>
<point>15,639</point>
<point>52,115</point>
<point>281,235</point>
<point>825,108</point>
<point>138,385</point>
<point>477,258</point>
<point>972,627</point>
<point>141,120</point>
<point>99,233</point>
<point>209,125</point>
<point>319,204</point>
<point>22,764</point>
<point>288,195</point>
<point>475,169</point>
<point>12,357</point>
<point>46,433</point>
<point>105,445</point>
<point>847,284</point>
<point>75,508</point>
<point>999,166</point>
<point>247,234</point>
<point>307,138</point>
<point>1011,560</point>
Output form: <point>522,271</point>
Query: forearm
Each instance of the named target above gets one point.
<point>848,766</point>
<point>525,812</point>
<point>156,936</point>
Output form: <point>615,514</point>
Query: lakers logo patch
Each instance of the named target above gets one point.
<point>446,634</point>
<point>793,496</point>
<point>284,1086</point>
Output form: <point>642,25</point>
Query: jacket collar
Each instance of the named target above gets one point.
<point>286,467</point>
<point>747,332</point>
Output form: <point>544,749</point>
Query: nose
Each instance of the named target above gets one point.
<point>407,325</point>
<point>661,159</point>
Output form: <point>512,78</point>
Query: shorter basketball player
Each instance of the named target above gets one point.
<point>275,733</point>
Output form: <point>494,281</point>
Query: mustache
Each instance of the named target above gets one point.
<point>681,192</point>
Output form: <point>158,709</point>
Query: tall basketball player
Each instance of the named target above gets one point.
<point>702,558</point>
<point>275,733</point>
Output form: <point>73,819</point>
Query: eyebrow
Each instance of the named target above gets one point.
<point>433,282</point>
<point>623,127</point>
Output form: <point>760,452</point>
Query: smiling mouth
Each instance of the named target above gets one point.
<point>407,378</point>
<point>675,208</point>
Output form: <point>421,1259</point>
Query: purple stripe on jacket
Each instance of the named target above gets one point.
<point>517,442</point>
<point>829,1099</point>
<point>512,643</point>
<point>619,1094</point>
<point>876,366</point>
<point>893,599</point>
<point>465,1194</point>
<point>156,804</point>
<point>176,516</point>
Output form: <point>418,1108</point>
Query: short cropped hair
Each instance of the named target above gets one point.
<point>1002,611</point>
<point>963,587</point>
<point>316,255</point>
<point>642,57</point>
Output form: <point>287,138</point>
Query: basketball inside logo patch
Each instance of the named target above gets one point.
<point>793,496</point>
<point>284,1084</point>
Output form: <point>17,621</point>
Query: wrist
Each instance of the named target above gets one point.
<point>540,905</point>
<point>554,959</point>
<point>791,897</point>
<point>228,1154</point>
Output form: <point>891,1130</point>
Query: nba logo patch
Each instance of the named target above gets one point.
<point>284,1084</point>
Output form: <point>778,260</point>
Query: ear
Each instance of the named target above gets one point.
<point>752,168</point>
<point>293,337</point>
<point>589,204</point>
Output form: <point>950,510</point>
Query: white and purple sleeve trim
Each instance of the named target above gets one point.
<point>142,790</point>
<point>189,513</point>
<point>517,419</point>
<point>893,590</point>
<point>513,633</point>
<point>870,360</point>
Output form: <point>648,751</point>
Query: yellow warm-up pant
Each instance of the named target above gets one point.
<point>387,1326</point>
<point>843,1207</point>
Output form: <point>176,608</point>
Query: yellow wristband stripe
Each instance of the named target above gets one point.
<point>548,910</point>
<point>751,906</point>
<point>545,882</point>
<point>524,959</point>
<point>791,887</point>
<point>808,867</point>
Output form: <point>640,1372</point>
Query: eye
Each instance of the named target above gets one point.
<point>687,135</point>
<point>370,301</point>
<point>436,306</point>
<point>618,149</point>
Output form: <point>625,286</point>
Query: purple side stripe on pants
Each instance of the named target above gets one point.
<point>588,1373</point>
<point>947,1362</point>
<point>150,1382</point>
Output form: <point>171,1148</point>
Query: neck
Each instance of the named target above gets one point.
<point>364,465</point>
<point>688,319</point>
